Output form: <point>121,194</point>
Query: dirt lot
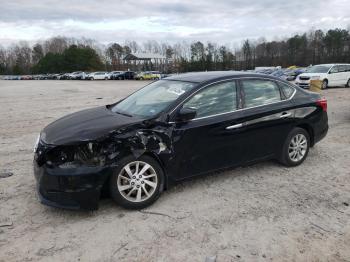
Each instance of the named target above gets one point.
<point>260,213</point>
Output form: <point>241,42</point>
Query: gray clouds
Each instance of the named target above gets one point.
<point>220,21</point>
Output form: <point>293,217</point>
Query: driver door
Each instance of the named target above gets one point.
<point>211,140</point>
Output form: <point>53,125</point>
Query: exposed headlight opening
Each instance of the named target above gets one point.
<point>89,154</point>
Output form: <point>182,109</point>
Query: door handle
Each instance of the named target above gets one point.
<point>285,115</point>
<point>234,126</point>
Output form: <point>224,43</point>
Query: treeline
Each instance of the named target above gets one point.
<point>60,54</point>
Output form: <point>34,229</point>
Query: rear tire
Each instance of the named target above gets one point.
<point>295,148</point>
<point>348,83</point>
<point>136,183</point>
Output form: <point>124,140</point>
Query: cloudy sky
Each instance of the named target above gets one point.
<point>223,21</point>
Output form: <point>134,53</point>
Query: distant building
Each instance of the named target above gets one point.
<point>146,61</point>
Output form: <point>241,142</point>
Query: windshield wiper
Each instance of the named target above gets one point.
<point>124,114</point>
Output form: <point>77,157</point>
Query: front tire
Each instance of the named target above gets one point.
<point>324,84</point>
<point>295,148</point>
<point>136,183</point>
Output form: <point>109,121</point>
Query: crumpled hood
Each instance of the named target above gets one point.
<point>86,125</point>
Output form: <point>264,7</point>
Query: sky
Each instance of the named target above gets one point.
<point>220,21</point>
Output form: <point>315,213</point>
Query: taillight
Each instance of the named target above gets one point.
<point>322,103</point>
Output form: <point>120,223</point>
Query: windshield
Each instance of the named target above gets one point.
<point>319,69</point>
<point>153,98</point>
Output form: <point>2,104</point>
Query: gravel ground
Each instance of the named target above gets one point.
<point>264,212</point>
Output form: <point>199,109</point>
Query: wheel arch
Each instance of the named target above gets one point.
<point>161,164</point>
<point>149,154</point>
<point>308,128</point>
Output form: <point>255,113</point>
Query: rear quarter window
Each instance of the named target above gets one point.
<point>287,90</point>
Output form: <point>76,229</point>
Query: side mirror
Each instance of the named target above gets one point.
<point>186,114</point>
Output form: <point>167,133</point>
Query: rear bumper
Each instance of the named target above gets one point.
<point>321,134</point>
<point>77,188</point>
<point>321,127</point>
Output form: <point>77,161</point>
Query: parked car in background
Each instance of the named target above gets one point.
<point>42,77</point>
<point>184,126</point>
<point>26,77</point>
<point>292,74</point>
<point>58,76</point>
<point>288,74</point>
<point>129,75</point>
<point>331,75</point>
<point>79,75</point>
<point>115,75</point>
<point>148,75</point>
<point>266,71</point>
<point>143,76</point>
<point>122,75</point>
<point>279,73</point>
<point>97,76</point>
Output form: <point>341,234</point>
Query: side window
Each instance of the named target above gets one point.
<point>335,69</point>
<point>342,68</point>
<point>216,99</point>
<point>260,92</point>
<point>286,89</point>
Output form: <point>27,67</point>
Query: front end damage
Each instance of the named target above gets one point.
<point>73,174</point>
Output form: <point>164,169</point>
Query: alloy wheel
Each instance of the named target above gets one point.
<point>297,147</point>
<point>137,181</point>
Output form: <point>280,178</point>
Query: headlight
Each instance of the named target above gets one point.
<point>315,78</point>
<point>36,143</point>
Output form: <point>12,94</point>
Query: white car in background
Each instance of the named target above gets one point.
<point>330,75</point>
<point>97,76</point>
<point>79,75</point>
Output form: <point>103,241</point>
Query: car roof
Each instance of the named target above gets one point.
<point>199,77</point>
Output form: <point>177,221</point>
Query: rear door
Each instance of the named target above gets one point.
<point>267,117</point>
<point>343,74</point>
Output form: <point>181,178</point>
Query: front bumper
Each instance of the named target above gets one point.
<point>77,188</point>
<point>304,85</point>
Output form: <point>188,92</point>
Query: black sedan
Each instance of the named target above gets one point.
<point>126,75</point>
<point>185,126</point>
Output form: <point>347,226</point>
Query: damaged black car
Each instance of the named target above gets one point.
<point>173,129</point>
